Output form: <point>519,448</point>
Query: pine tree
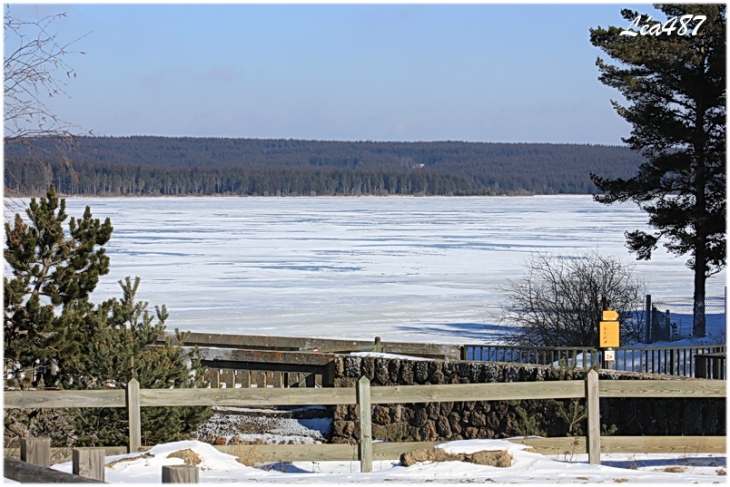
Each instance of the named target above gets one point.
<point>123,350</point>
<point>50,270</point>
<point>674,82</point>
<point>55,336</point>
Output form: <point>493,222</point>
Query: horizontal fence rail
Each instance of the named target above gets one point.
<point>702,361</point>
<point>317,345</point>
<point>65,399</point>
<point>591,389</point>
<point>27,473</point>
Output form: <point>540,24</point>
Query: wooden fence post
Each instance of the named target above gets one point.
<point>36,451</point>
<point>26,473</point>
<point>593,442</point>
<point>88,462</point>
<point>180,474</point>
<point>135,416</point>
<point>214,375</point>
<point>365,450</point>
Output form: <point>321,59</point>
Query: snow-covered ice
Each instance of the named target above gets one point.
<point>404,269</point>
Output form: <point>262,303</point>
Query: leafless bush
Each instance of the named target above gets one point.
<point>558,301</point>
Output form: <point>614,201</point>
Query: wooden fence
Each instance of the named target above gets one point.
<point>317,345</point>
<point>245,361</point>
<point>88,465</point>
<point>246,368</point>
<point>239,378</point>
<point>364,396</point>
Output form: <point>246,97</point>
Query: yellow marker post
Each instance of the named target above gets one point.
<point>609,336</point>
<point>609,315</point>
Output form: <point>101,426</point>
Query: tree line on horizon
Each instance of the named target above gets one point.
<point>188,166</point>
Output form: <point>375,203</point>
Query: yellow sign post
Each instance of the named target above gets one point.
<point>609,335</point>
<point>609,315</point>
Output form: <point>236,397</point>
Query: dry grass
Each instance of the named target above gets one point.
<point>248,454</point>
<point>568,454</point>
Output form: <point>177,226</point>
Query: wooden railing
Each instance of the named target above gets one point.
<point>679,361</point>
<point>318,345</point>
<point>28,473</point>
<point>33,467</point>
<point>88,465</point>
<point>244,361</point>
<point>244,368</point>
<point>591,389</point>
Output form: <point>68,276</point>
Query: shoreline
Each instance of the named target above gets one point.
<point>373,196</point>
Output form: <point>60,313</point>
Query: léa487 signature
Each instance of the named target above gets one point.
<point>674,25</point>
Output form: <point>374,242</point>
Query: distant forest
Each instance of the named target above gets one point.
<point>188,166</point>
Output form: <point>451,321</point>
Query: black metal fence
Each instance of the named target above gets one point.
<point>569,356</point>
<point>680,360</point>
<point>672,318</point>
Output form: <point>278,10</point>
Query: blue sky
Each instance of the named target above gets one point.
<point>385,72</point>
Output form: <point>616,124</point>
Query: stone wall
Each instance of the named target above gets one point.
<point>504,419</point>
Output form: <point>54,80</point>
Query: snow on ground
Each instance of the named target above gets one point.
<point>306,425</point>
<point>309,425</point>
<point>527,468</point>
<point>389,355</point>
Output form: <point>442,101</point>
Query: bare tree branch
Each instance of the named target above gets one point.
<point>558,301</point>
<point>35,71</point>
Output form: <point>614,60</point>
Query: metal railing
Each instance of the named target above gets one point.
<point>585,357</point>
<point>671,318</point>
<point>679,360</point>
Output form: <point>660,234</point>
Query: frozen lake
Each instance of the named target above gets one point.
<point>404,269</point>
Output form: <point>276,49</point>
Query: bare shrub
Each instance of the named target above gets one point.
<point>558,300</point>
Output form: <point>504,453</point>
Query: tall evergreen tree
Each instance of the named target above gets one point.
<point>673,78</point>
<point>47,307</point>
<point>56,337</point>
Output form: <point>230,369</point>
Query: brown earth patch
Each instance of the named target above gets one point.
<point>130,459</point>
<point>188,456</point>
<point>498,458</point>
